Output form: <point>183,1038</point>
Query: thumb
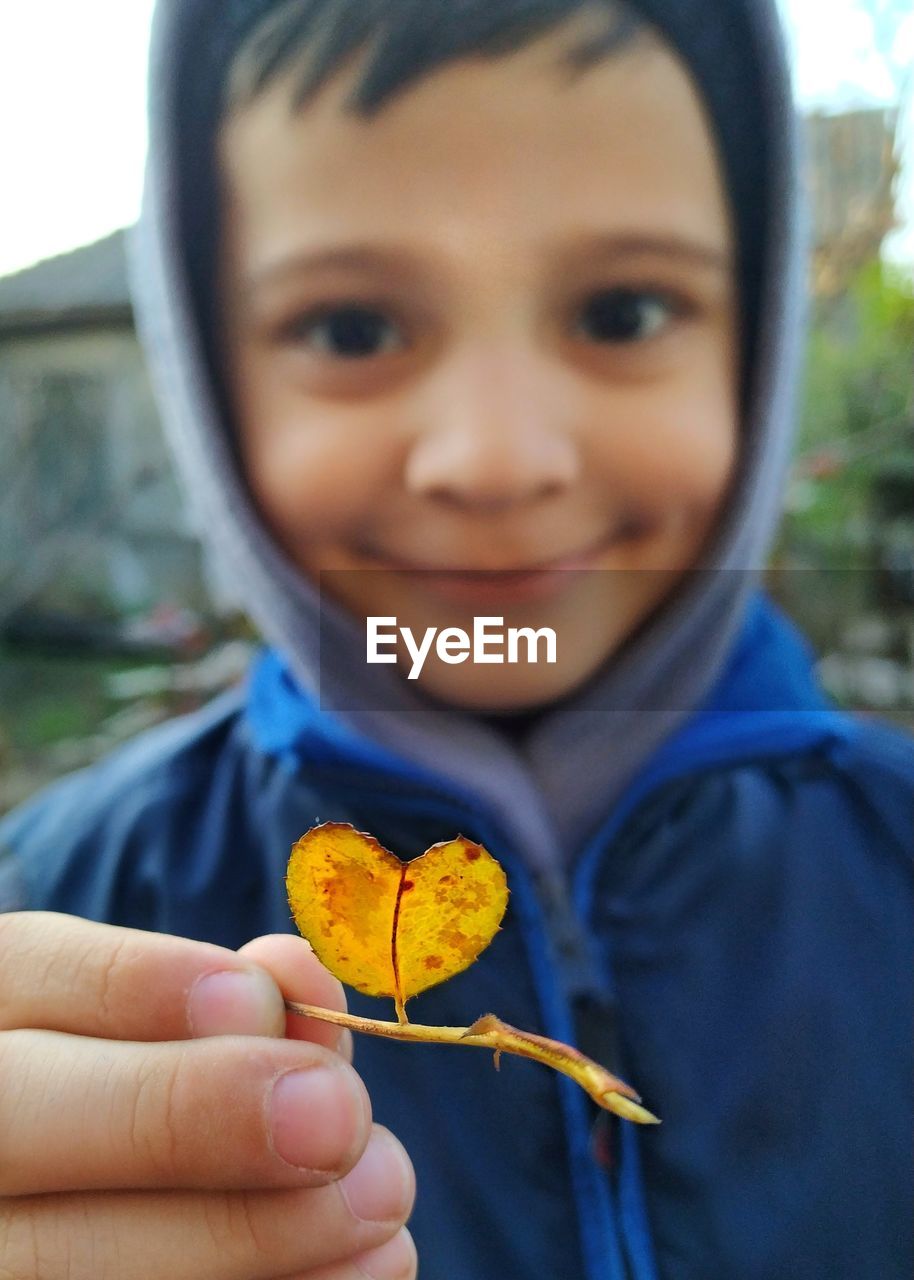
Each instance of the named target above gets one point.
<point>298,973</point>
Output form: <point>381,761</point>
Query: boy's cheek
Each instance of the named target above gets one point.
<point>309,491</point>
<point>678,448</point>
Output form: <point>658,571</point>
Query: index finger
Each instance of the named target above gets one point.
<point>63,973</point>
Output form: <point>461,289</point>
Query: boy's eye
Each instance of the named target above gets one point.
<point>353,331</point>
<point>347,332</point>
<point>625,315</point>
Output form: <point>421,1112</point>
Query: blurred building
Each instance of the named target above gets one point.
<point>91,523</point>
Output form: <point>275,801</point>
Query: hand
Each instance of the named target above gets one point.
<point>155,1123</point>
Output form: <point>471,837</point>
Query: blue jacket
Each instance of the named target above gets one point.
<point>736,942</point>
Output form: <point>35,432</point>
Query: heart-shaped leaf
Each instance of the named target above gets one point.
<point>392,928</point>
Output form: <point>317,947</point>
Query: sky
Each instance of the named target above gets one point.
<point>72,89</point>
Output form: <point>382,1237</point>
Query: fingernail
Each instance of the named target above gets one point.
<point>345,1046</point>
<point>379,1188</point>
<point>395,1260</point>
<point>235,1002</point>
<point>315,1117</point>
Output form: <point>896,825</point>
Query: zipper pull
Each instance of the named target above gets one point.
<point>592,1002</point>
<point>597,1034</point>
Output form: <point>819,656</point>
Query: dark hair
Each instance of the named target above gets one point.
<point>406,40</point>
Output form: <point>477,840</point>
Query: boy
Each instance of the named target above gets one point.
<point>463,310</point>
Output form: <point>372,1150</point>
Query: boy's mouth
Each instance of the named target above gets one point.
<point>492,586</point>
<point>533,581</point>
<point>629,529</point>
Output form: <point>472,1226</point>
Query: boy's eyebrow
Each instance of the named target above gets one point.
<point>366,255</point>
<point>679,247</point>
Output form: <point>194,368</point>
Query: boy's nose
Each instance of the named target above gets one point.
<point>493,437</point>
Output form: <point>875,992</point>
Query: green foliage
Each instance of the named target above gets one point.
<point>855,441</point>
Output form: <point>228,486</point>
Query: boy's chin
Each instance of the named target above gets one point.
<point>504,690</point>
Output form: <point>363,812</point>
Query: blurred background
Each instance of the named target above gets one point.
<point>109,619</point>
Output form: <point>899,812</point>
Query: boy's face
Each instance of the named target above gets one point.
<point>493,328</point>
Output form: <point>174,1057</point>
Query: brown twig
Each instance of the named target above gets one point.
<point>489,1032</point>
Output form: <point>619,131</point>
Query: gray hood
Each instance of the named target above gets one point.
<point>551,788</point>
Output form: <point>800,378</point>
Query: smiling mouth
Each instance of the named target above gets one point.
<point>628,531</point>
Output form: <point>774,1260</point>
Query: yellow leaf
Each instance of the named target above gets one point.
<point>392,928</point>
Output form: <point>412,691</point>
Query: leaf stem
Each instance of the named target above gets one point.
<point>489,1032</point>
